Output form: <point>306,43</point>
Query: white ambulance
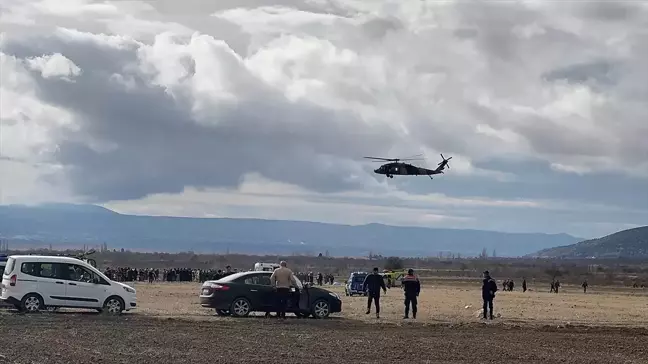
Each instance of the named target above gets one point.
<point>265,267</point>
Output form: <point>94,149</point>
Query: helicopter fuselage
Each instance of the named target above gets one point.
<point>404,169</point>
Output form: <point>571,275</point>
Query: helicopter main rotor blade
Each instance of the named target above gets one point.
<point>382,159</point>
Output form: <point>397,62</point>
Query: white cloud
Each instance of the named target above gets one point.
<point>55,65</point>
<point>168,99</point>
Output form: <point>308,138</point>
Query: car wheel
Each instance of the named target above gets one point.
<point>222,312</point>
<point>321,309</point>
<point>32,303</point>
<point>113,306</point>
<point>240,307</point>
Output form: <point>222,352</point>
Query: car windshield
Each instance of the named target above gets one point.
<point>359,278</point>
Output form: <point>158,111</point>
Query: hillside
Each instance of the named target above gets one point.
<point>632,243</point>
<point>62,224</point>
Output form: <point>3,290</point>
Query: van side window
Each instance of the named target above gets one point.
<point>51,270</point>
<point>44,270</point>
<point>30,269</point>
<point>78,273</point>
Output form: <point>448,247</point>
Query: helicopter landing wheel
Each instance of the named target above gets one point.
<point>391,176</point>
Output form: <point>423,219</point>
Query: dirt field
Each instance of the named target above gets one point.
<point>602,326</point>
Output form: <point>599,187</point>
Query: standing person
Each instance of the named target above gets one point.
<point>412,288</point>
<point>585,286</point>
<point>228,271</point>
<point>524,285</point>
<point>372,285</point>
<point>489,287</point>
<point>282,278</point>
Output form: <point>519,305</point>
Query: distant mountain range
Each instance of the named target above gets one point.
<point>67,225</point>
<point>631,243</point>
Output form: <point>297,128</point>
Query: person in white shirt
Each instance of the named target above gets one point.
<point>282,279</point>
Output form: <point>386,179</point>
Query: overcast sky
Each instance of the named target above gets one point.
<point>251,108</point>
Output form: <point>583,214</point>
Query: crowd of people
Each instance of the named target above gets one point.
<point>128,274</point>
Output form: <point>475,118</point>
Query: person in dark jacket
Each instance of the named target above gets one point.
<point>412,288</point>
<point>372,285</point>
<point>489,287</point>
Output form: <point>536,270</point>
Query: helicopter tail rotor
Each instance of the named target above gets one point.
<point>444,162</point>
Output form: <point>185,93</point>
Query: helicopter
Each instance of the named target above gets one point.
<point>84,257</point>
<point>396,167</point>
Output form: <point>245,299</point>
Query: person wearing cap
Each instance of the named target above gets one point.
<point>489,287</point>
<point>372,285</point>
<point>282,279</point>
<point>411,288</point>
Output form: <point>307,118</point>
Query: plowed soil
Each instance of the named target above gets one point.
<point>169,326</point>
<point>91,338</point>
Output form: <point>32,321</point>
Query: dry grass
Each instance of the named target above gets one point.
<point>446,301</point>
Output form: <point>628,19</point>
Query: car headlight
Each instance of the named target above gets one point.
<point>334,295</point>
<point>129,290</point>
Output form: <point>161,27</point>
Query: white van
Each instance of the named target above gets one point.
<point>32,283</point>
<point>265,267</point>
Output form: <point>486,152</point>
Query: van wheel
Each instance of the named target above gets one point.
<point>113,306</point>
<point>32,303</point>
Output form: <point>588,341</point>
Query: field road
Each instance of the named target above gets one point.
<point>139,338</point>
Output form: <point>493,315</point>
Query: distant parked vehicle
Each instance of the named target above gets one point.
<point>32,283</point>
<point>3,264</point>
<point>354,285</point>
<point>241,293</point>
<point>393,279</point>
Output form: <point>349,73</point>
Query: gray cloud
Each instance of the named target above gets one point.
<point>301,97</point>
<point>162,148</point>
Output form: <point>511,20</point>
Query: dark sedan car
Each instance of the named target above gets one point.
<point>241,293</point>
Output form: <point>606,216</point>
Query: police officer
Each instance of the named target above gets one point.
<point>372,285</point>
<point>412,288</point>
<point>489,287</point>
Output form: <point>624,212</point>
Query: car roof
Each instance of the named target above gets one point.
<point>234,276</point>
<point>50,258</point>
